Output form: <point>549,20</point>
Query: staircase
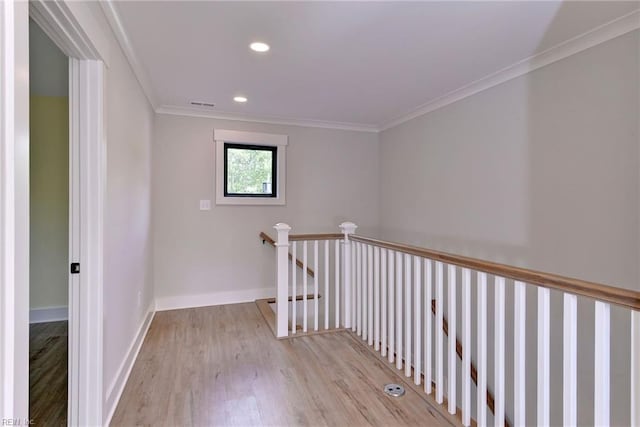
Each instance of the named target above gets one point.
<point>402,302</point>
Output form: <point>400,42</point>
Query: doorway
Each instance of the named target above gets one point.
<point>72,29</point>
<point>49,219</point>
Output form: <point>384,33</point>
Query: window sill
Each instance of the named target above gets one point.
<point>249,201</point>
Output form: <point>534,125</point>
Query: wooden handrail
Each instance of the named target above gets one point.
<point>268,239</point>
<point>323,236</point>
<point>618,296</point>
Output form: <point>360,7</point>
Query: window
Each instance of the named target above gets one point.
<point>250,168</point>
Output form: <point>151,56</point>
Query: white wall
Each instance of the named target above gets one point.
<point>541,171</point>
<point>331,177</point>
<point>128,277</point>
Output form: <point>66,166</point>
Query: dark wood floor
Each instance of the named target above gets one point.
<point>222,366</point>
<point>48,349</point>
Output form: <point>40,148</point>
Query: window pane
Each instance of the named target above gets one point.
<point>249,171</point>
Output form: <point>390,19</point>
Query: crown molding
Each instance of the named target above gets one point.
<point>222,115</point>
<point>591,38</point>
<point>50,16</point>
<point>110,12</point>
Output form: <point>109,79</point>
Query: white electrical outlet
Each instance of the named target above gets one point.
<point>139,298</point>
<point>205,205</point>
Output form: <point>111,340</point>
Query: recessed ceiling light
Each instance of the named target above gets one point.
<point>240,99</point>
<point>259,47</point>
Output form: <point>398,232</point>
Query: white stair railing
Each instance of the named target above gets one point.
<point>383,292</point>
<point>322,263</point>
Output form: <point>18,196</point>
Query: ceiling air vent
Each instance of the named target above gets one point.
<point>202,104</point>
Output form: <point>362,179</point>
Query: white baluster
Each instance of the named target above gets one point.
<point>466,347</point>
<point>439,334</point>
<point>326,285</point>
<point>417,318</point>
<point>481,406</point>
<point>519,354</point>
<point>453,356</point>
<point>348,228</point>
<point>376,298</point>
<point>383,295</point>
<point>407,315</point>
<point>398,310</point>
<point>304,286</point>
<point>365,293</point>
<point>354,311</point>
<point>635,368</point>
<point>498,367</point>
<point>315,285</point>
<point>337,288</point>
<point>544,334</point>
<point>570,361</point>
<point>359,287</point>
<point>370,307</point>
<point>601,368</point>
<point>427,327</point>
<point>294,291</point>
<point>392,305</point>
<point>282,279</point>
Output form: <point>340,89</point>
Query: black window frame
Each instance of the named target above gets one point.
<point>274,169</point>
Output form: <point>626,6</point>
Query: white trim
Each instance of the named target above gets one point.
<point>215,298</point>
<point>88,108</point>
<point>74,237</point>
<point>240,137</point>
<point>111,13</point>
<point>61,22</point>
<point>176,110</point>
<point>48,314</point>
<point>591,38</point>
<point>114,393</point>
<point>14,210</point>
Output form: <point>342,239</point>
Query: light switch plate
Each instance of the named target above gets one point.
<point>205,205</point>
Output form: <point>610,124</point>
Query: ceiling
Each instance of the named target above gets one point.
<point>360,64</point>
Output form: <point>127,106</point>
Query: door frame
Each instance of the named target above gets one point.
<point>75,31</point>
<point>86,196</point>
<point>14,211</point>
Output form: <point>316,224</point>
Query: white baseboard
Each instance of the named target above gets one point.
<point>48,314</point>
<point>117,385</point>
<point>215,298</point>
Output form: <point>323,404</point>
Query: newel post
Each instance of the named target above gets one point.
<point>282,277</point>
<point>347,229</point>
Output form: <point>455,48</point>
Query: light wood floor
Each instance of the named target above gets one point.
<point>48,349</point>
<point>222,366</point>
